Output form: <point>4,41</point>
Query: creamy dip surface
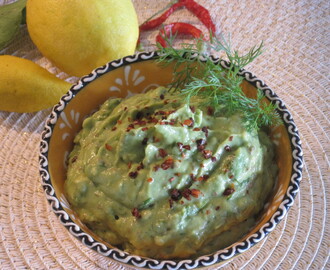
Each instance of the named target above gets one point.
<point>163,179</point>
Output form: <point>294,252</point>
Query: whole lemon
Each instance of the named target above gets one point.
<point>27,87</point>
<point>80,35</point>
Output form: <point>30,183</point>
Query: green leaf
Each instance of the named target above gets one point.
<point>10,19</point>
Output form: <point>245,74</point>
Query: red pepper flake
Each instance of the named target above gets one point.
<point>171,203</point>
<point>217,208</point>
<point>231,176</point>
<point>144,129</point>
<point>168,163</point>
<point>208,212</point>
<point>150,179</point>
<point>228,191</point>
<point>162,96</point>
<point>207,154</point>
<point>205,177</point>
<point>155,140</point>
<point>195,192</point>
<point>175,194</point>
<point>227,148</point>
<point>196,129</point>
<point>166,101</point>
<point>133,174</point>
<point>156,168</point>
<point>125,108</point>
<point>162,152</point>
<point>200,178</point>
<point>161,113</point>
<point>192,177</point>
<point>171,179</point>
<point>206,131</point>
<point>144,141</point>
<point>119,122</point>
<point>108,147</point>
<point>187,147</point>
<point>201,144</point>
<point>214,159</point>
<point>114,128</point>
<point>179,144</point>
<point>136,213</point>
<point>210,111</point>
<point>192,108</point>
<point>140,167</point>
<point>186,193</point>
<point>177,174</point>
<point>231,138</point>
<point>129,165</point>
<point>181,202</point>
<point>188,122</point>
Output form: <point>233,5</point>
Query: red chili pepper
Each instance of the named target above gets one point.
<point>178,28</point>
<point>148,25</point>
<point>200,12</point>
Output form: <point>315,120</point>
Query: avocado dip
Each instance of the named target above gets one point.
<point>163,179</point>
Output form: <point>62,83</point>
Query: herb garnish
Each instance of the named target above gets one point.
<point>195,73</point>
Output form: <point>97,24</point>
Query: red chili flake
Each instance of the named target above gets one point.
<point>195,192</point>
<point>144,129</point>
<point>162,96</point>
<point>125,108</point>
<point>206,131</point>
<point>196,129</point>
<point>74,159</point>
<point>150,180</point>
<point>171,179</point>
<point>210,111</point>
<point>175,194</point>
<point>114,128</point>
<point>228,191</point>
<point>155,140</point>
<point>214,159</point>
<point>174,100</point>
<point>162,152</point>
<point>161,113</point>
<point>188,122</point>
<point>207,154</point>
<point>133,174</point>
<point>201,144</point>
<point>207,212</point>
<point>177,174</point>
<point>192,108</point>
<point>156,168</point>
<point>119,122</point>
<point>108,147</point>
<point>168,163</point>
<point>192,177</point>
<point>217,208</point>
<point>171,203</point>
<point>200,178</point>
<point>227,148</point>
<point>144,141</point>
<point>231,138</point>
<point>231,176</point>
<point>140,167</point>
<point>180,145</point>
<point>205,177</point>
<point>129,165</point>
<point>166,101</point>
<point>136,213</point>
<point>181,202</point>
<point>186,193</point>
<point>187,147</point>
<point>142,123</point>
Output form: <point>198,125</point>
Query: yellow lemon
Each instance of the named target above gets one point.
<point>27,87</point>
<point>80,35</point>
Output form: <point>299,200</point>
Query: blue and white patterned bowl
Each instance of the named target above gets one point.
<point>134,74</point>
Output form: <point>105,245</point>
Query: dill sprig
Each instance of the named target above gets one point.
<point>196,74</point>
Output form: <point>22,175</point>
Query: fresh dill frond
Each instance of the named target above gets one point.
<point>196,74</point>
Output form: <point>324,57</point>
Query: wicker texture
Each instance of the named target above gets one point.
<point>295,65</point>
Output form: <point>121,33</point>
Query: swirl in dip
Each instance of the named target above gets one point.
<point>164,179</point>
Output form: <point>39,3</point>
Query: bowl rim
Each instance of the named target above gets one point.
<point>142,262</point>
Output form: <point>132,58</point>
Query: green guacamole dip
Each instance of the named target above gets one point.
<point>164,179</point>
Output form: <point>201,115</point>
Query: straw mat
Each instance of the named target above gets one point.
<point>295,65</point>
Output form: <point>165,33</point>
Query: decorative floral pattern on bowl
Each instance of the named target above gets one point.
<point>136,74</point>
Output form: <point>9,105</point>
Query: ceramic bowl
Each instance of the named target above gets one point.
<point>134,74</point>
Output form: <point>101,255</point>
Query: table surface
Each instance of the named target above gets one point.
<point>295,64</point>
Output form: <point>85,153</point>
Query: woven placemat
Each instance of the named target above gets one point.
<point>295,64</point>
